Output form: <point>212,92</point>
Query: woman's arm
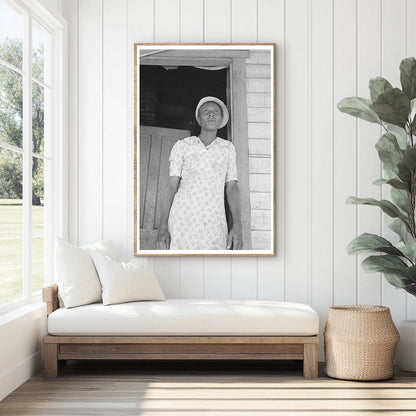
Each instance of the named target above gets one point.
<point>163,236</point>
<point>235,237</point>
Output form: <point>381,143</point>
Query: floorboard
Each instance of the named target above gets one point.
<point>206,388</point>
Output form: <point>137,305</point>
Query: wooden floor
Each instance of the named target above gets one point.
<point>192,389</point>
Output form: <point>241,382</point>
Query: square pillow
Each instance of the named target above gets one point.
<point>126,282</point>
<point>75,273</point>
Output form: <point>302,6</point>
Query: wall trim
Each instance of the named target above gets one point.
<point>11,379</point>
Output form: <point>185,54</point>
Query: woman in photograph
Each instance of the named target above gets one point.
<point>200,169</point>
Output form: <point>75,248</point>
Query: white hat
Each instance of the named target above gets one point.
<point>225,115</point>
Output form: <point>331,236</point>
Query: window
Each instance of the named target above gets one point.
<point>31,140</point>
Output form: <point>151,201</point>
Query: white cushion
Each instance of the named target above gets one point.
<point>187,317</point>
<point>126,282</point>
<point>75,273</point>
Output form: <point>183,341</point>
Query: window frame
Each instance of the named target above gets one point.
<point>57,226</point>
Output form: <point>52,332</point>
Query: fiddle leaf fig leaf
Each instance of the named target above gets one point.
<point>411,289</point>
<point>400,228</point>
<point>381,263</point>
<point>400,198</point>
<point>397,280</point>
<point>392,107</point>
<point>408,249</point>
<point>359,107</point>
<point>402,139</point>
<point>390,173</point>
<point>411,273</point>
<point>388,207</point>
<point>378,86</point>
<point>408,77</point>
<point>412,110</point>
<point>398,184</point>
<point>395,183</point>
<point>389,151</point>
<point>412,116</point>
<point>380,182</point>
<point>396,271</point>
<point>404,173</point>
<point>366,243</point>
<point>410,158</point>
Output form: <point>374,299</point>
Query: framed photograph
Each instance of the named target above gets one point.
<point>204,165</point>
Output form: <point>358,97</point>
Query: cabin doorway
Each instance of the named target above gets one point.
<point>168,98</point>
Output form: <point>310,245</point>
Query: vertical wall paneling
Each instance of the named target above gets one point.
<point>70,11</point>
<point>411,28</point>
<point>393,51</point>
<point>271,28</point>
<point>345,152</point>
<point>368,162</point>
<point>167,20</point>
<point>217,29</point>
<point>192,277</point>
<point>393,38</point>
<point>217,274</point>
<point>114,124</point>
<point>90,128</point>
<point>244,21</point>
<point>192,21</point>
<point>296,152</point>
<point>244,278</point>
<point>217,21</point>
<point>168,272</point>
<point>244,29</point>
<point>140,22</point>
<point>321,150</point>
<point>411,51</point>
<point>192,30</point>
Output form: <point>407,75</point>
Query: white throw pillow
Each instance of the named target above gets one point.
<point>126,282</point>
<point>75,273</point>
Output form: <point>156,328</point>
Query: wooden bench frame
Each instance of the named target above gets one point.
<point>58,349</point>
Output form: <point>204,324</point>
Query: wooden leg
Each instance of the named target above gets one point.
<point>50,360</point>
<point>310,360</point>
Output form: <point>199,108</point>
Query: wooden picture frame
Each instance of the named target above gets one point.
<point>169,80</point>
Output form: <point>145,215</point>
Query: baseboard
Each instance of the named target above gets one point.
<point>10,380</point>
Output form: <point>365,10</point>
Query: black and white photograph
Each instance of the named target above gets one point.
<point>204,150</point>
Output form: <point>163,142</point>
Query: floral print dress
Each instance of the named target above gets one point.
<point>197,216</point>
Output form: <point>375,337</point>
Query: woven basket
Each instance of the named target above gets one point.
<point>360,341</point>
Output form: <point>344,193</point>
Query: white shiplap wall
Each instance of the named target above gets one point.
<point>326,50</point>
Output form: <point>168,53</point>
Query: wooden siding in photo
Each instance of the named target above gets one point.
<point>259,97</point>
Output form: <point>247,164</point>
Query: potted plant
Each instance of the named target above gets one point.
<point>394,109</point>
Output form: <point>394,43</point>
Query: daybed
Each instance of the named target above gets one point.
<point>181,329</point>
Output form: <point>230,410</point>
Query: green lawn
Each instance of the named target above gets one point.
<point>11,249</point>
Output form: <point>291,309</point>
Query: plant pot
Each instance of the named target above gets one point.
<point>406,350</point>
<point>360,341</point>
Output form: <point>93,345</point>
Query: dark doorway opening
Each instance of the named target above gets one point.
<point>170,94</point>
